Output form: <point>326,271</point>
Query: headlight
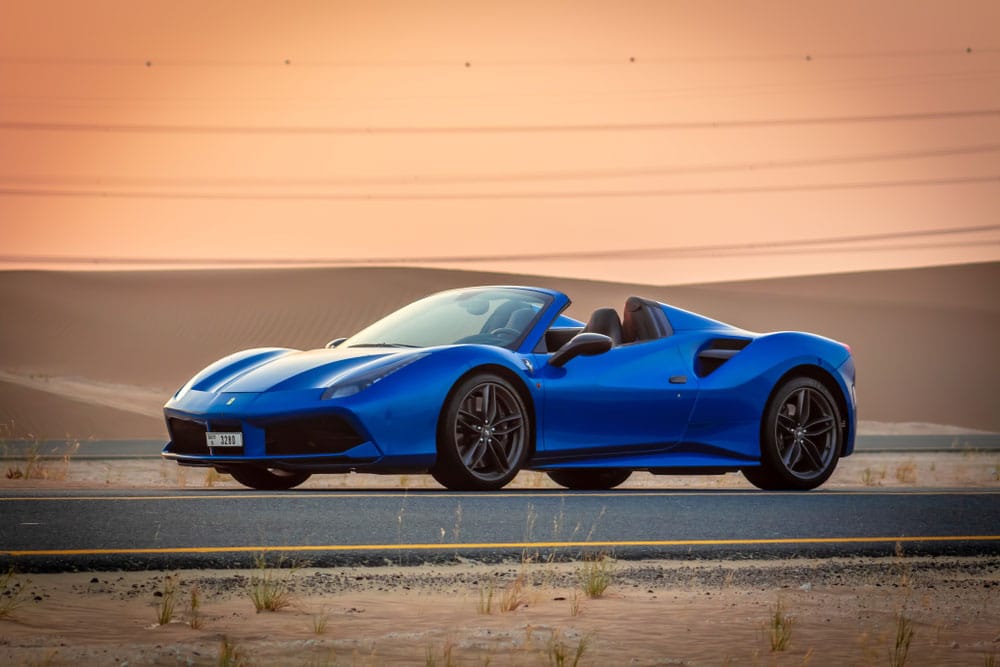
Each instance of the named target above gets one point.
<point>362,377</point>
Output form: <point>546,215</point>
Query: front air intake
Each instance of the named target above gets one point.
<point>186,437</point>
<point>314,435</point>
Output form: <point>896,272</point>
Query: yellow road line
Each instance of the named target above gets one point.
<point>554,493</point>
<point>498,545</point>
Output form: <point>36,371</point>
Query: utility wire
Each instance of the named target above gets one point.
<point>524,195</point>
<point>563,175</point>
<point>150,128</point>
<point>702,90</point>
<point>624,59</point>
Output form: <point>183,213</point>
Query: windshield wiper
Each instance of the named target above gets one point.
<point>382,345</point>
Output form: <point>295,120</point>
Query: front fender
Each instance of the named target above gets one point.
<point>402,411</point>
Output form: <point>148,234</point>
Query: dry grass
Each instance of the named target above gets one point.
<point>213,477</point>
<point>269,588</point>
<point>906,473</point>
<point>511,596</point>
<point>230,655</point>
<point>195,619</point>
<point>595,575</point>
<point>561,654</point>
<point>319,621</point>
<point>903,567</point>
<point>870,477</point>
<point>168,599</point>
<point>904,636</point>
<point>12,592</point>
<point>575,604</point>
<point>486,594</point>
<point>33,465</point>
<point>446,657</point>
<point>779,627</point>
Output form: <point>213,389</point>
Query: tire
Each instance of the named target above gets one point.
<point>596,479</point>
<point>800,440</point>
<point>267,479</point>
<point>484,435</point>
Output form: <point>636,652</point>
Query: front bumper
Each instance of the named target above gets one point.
<point>293,431</point>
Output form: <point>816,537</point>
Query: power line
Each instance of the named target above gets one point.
<point>538,194</point>
<point>746,88</point>
<point>562,175</point>
<point>615,60</point>
<point>827,244</point>
<point>150,128</point>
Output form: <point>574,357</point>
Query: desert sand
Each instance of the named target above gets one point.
<point>96,354</point>
<point>839,611</point>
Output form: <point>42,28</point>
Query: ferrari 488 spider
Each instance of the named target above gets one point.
<point>474,385</point>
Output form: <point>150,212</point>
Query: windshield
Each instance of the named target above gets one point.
<point>484,316</point>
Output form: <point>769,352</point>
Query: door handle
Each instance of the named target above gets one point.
<point>678,379</point>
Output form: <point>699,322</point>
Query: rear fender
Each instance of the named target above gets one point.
<point>736,394</point>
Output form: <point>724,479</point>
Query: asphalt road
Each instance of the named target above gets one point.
<point>45,530</point>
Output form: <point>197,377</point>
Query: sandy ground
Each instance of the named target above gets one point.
<point>841,612</point>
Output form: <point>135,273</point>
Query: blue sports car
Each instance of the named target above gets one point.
<point>473,385</point>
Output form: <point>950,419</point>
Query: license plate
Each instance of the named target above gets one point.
<point>224,439</point>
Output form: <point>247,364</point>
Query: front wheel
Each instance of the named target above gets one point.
<point>267,479</point>
<point>484,435</point>
<point>801,438</point>
<point>590,480</point>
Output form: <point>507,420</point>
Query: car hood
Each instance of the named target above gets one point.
<point>288,370</point>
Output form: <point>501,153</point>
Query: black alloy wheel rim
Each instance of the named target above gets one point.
<point>489,431</point>
<point>806,433</point>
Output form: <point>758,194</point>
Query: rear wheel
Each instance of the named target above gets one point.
<point>483,435</point>
<point>801,438</point>
<point>593,480</point>
<point>267,479</point>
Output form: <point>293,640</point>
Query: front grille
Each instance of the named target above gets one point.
<point>187,437</point>
<point>315,435</point>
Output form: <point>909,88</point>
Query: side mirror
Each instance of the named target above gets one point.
<point>334,343</point>
<point>587,344</point>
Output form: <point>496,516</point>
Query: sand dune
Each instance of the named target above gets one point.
<point>924,339</point>
<point>31,413</point>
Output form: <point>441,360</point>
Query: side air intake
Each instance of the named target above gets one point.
<point>717,352</point>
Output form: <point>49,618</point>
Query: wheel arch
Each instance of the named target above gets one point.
<point>825,378</point>
<point>516,381</point>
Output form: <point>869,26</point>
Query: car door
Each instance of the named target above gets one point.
<point>634,398</point>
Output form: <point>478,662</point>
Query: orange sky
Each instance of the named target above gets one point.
<point>658,142</point>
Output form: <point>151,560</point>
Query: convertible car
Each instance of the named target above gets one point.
<point>474,385</point>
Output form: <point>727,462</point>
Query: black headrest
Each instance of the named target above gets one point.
<point>644,320</point>
<point>605,321</point>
